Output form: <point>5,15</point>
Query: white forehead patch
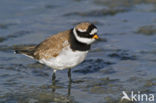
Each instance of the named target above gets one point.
<point>93,31</point>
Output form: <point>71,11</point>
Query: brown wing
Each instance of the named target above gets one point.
<point>52,46</point>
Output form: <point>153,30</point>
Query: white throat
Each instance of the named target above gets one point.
<point>81,39</point>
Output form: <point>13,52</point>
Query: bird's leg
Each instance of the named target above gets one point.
<point>69,75</point>
<point>53,80</point>
<point>69,82</point>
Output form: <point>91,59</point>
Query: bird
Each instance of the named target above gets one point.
<point>63,50</point>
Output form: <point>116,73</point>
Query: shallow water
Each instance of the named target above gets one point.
<point>124,59</point>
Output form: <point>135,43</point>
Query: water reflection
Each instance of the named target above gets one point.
<point>69,87</point>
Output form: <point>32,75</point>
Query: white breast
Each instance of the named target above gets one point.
<point>66,59</point>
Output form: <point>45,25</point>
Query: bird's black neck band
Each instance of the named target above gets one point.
<point>76,45</point>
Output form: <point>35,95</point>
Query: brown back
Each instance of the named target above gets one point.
<point>52,46</point>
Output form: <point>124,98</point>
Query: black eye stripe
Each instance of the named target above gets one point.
<point>91,27</point>
<point>84,34</point>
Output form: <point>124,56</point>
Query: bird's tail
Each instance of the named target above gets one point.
<point>27,50</point>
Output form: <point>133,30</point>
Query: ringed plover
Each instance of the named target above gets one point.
<point>63,50</point>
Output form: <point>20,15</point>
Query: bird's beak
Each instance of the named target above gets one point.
<point>95,36</point>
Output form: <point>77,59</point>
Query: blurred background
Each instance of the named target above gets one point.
<point>124,59</point>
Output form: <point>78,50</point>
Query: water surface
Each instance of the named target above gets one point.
<point>124,59</point>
